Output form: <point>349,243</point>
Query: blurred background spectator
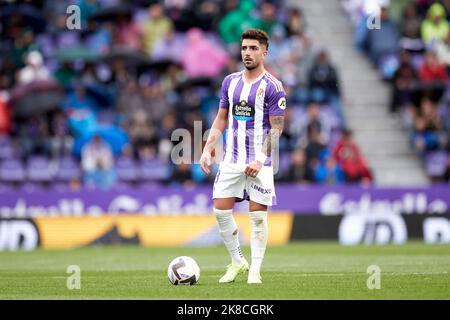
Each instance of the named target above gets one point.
<point>138,70</point>
<point>417,70</point>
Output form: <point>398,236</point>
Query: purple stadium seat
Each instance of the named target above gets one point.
<point>32,186</point>
<point>60,186</point>
<point>12,170</point>
<point>39,169</point>
<point>6,149</point>
<point>153,170</point>
<point>68,169</point>
<point>121,186</point>
<point>331,115</point>
<point>126,169</point>
<point>6,187</point>
<point>149,184</point>
<point>436,163</point>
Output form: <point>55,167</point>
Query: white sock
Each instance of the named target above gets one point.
<point>230,235</point>
<point>259,235</point>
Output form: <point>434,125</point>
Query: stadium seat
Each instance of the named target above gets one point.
<point>68,169</point>
<point>126,169</point>
<point>39,169</point>
<point>436,163</point>
<point>153,170</point>
<point>12,170</point>
<point>6,149</point>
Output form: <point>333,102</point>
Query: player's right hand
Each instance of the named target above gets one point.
<point>205,162</point>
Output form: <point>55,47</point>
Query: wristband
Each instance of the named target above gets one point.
<point>261,157</point>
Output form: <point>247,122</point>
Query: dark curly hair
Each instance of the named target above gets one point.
<point>256,34</point>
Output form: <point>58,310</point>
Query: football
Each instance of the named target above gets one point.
<point>183,270</point>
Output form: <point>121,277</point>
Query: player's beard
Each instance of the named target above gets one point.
<point>252,66</point>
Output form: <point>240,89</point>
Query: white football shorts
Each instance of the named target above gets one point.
<point>231,181</point>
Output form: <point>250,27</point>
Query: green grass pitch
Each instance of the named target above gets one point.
<point>307,270</point>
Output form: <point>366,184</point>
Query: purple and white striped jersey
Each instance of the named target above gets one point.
<point>249,107</point>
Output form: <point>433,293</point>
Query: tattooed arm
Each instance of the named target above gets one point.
<point>270,144</point>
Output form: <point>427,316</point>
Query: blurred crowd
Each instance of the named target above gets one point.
<point>96,105</point>
<point>411,50</point>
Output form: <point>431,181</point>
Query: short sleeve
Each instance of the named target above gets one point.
<point>277,103</point>
<point>224,94</point>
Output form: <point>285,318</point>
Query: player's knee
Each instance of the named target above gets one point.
<point>258,219</point>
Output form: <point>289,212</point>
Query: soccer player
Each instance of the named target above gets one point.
<point>252,107</point>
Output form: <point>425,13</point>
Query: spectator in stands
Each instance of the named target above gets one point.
<point>127,33</point>
<point>61,139</point>
<point>429,127</point>
<point>5,108</point>
<point>156,27</point>
<point>151,103</point>
<point>157,103</point>
<point>429,111</point>
<point>431,70</point>
<point>404,86</point>
<point>298,171</point>
<point>79,99</point>
<point>34,69</point>
<point>410,29</point>
<point>317,121</point>
<point>182,174</point>
<point>34,137</point>
<point>23,43</point>
<point>435,27</point>
<point>141,130</point>
<point>97,161</point>
<point>130,99</point>
<point>268,17</point>
<point>207,14</point>
<point>87,8</point>
<point>411,22</point>
<point>383,40</point>
<point>169,47</point>
<point>314,149</point>
<point>442,48</point>
<point>100,39</point>
<point>65,75</point>
<point>235,22</point>
<point>433,76</point>
<point>329,172</point>
<point>295,24</point>
<point>348,156</point>
<point>423,139</point>
<point>195,51</point>
<point>323,80</point>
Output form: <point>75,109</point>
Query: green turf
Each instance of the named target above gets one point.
<point>305,270</point>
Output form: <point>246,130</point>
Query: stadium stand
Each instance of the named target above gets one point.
<point>136,71</point>
<point>416,67</point>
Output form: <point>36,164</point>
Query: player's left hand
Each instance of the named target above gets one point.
<point>253,168</point>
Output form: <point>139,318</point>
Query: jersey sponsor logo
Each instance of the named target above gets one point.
<point>243,111</point>
<point>282,103</point>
